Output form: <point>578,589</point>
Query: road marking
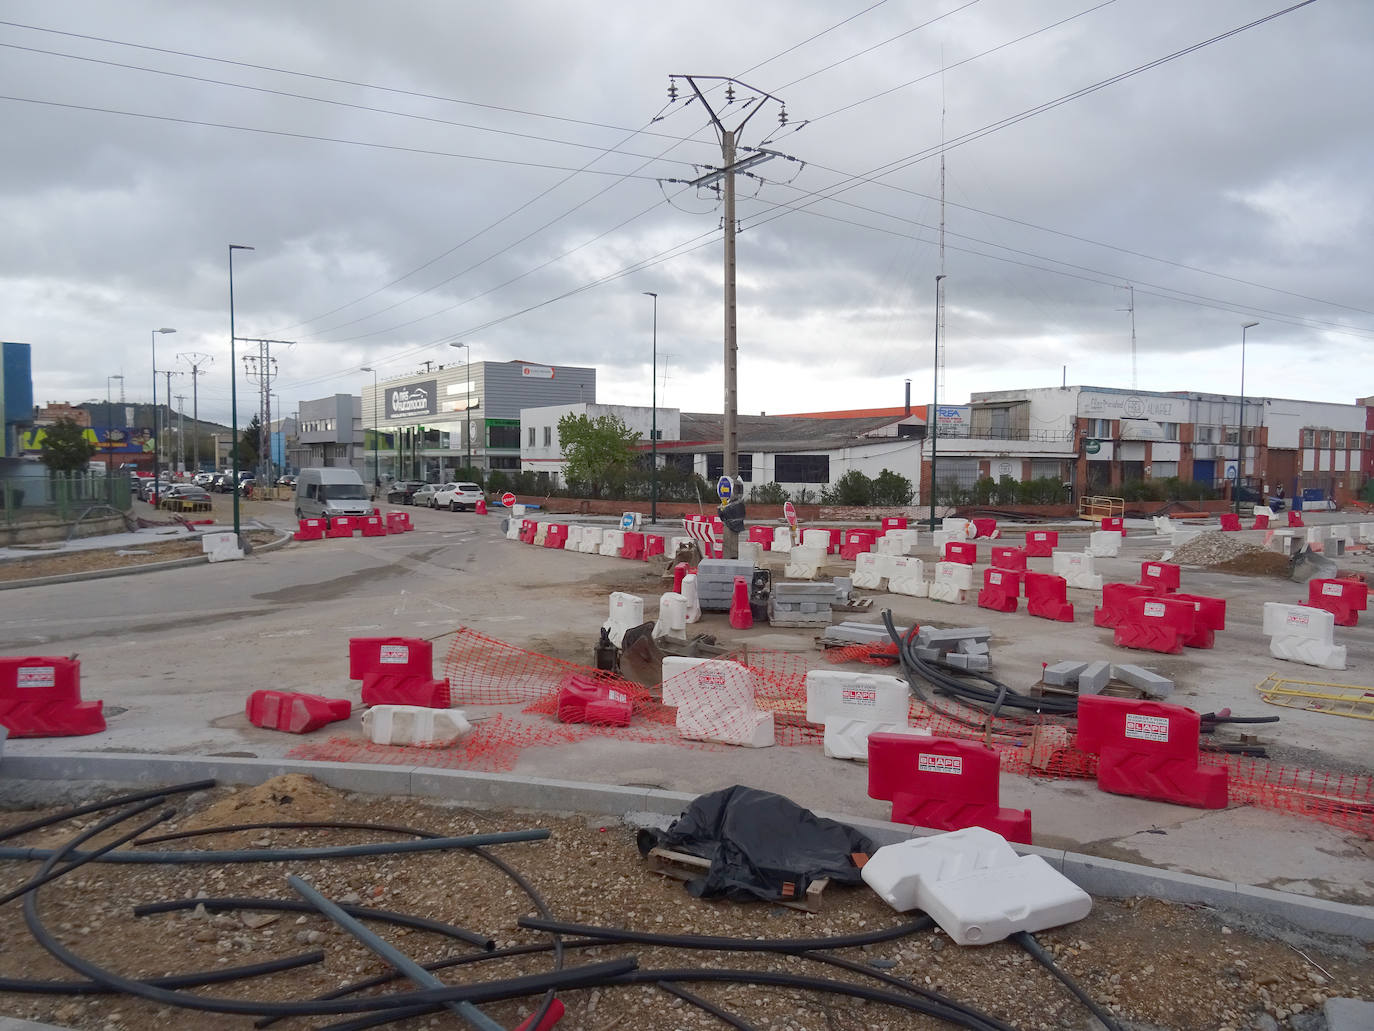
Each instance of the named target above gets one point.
<point>365,626</point>
<point>289,633</point>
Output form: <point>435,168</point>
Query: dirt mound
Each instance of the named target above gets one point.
<point>289,797</point>
<point>1256,563</point>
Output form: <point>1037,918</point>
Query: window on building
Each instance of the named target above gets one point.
<point>1170,430</point>
<point>503,436</point>
<point>1100,428</point>
<point>1232,435</point>
<point>504,461</point>
<point>1324,439</point>
<point>548,436</point>
<point>1307,438</point>
<point>715,466</point>
<point>801,468</point>
<point>531,436</point>
<point>1338,439</point>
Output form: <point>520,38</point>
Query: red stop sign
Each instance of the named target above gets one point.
<point>508,499</point>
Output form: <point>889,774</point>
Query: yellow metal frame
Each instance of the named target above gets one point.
<point>1098,508</point>
<point>1315,696</point>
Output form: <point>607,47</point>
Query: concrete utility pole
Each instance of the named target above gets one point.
<point>169,374</point>
<point>740,111</point>
<point>195,359</point>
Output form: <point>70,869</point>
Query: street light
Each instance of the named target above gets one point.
<point>1240,436</point>
<point>653,423</point>
<point>467,412</point>
<point>157,421</point>
<point>376,467</point>
<point>933,416</point>
<point>234,387</point>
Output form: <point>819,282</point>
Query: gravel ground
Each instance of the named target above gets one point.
<point>1157,965</point>
<point>113,558</point>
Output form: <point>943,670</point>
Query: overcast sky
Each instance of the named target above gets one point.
<point>512,175</point>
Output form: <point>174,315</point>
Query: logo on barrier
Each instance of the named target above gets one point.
<point>1296,620</point>
<point>395,654</point>
<point>994,578</point>
<point>617,696</point>
<point>1154,609</point>
<point>37,676</point>
<point>1152,570</point>
<point>1332,590</point>
<point>859,696</point>
<point>927,763</point>
<point>1147,728</point>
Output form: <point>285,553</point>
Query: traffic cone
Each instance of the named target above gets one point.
<point>741,618</point>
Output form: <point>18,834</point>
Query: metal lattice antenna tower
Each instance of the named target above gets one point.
<point>196,360</point>
<point>157,415</point>
<point>1130,307</point>
<point>263,368</point>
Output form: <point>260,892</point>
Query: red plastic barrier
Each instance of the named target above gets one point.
<point>396,671</point>
<point>985,528</point>
<point>1149,750</point>
<point>1041,543</point>
<point>654,543</point>
<point>528,528</point>
<point>584,699</point>
<point>962,552</point>
<point>942,783</point>
<point>1261,522</point>
<point>858,542</point>
<point>633,546</point>
<point>1211,617</point>
<point>741,616</point>
<point>679,571</point>
<point>556,536</point>
<point>1001,590</point>
<point>836,540</point>
<point>1116,600</point>
<point>1230,522</point>
<point>762,536</point>
<point>1161,577</point>
<point>311,530</point>
<point>398,522</point>
<point>40,696</point>
<point>1295,518</point>
<point>1047,597</point>
<point>373,526</point>
<point>1116,523</point>
<point>1344,599</point>
<point>894,523</point>
<point>1158,624</point>
<point>340,526</point>
<point>1009,558</point>
<point>294,711</point>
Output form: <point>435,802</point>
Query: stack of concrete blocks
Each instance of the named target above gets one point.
<point>611,543</point>
<point>1164,525</point>
<point>689,595</point>
<point>974,885</point>
<point>1103,544</point>
<point>871,569</point>
<point>801,605</point>
<point>714,699</point>
<point>1092,677</point>
<point>965,647</point>
<point>590,544</point>
<point>627,610</point>
<point>861,633</point>
<point>782,539</point>
<point>415,725</point>
<point>716,581</point>
<point>1076,567</point>
<point>541,533</point>
<point>907,576</point>
<point>221,547</point>
<point>851,706</point>
<point>953,581</point>
<point>1181,537</point>
<point>1299,633</point>
<point>898,542</point>
<point>671,624</point>
<point>750,552</point>
<point>804,562</point>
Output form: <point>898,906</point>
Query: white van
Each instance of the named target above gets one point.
<point>331,492</point>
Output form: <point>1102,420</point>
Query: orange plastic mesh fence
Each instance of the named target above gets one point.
<point>883,653</point>
<point>1344,800</point>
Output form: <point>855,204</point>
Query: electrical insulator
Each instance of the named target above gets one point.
<point>672,90</point>
<point>782,116</point>
<point>730,93</point>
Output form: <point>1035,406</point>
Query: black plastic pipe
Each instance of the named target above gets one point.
<point>1027,941</point>
<point>286,825</point>
<point>723,944</point>
<point>95,807</point>
<point>197,979</point>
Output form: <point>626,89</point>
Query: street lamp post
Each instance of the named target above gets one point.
<point>376,465</point>
<point>234,387</point>
<point>1240,435</point>
<point>467,411</point>
<point>933,416</point>
<point>653,422</point>
<point>109,422</point>
<point>157,421</point>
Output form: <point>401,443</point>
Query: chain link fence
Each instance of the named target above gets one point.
<point>62,496</point>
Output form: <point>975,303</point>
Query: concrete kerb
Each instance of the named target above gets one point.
<point>643,806</point>
<point>150,567</point>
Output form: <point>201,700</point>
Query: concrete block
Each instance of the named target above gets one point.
<point>848,739</point>
<point>1154,685</point>
<point>929,654</point>
<point>860,632</point>
<point>955,574</point>
<point>967,647</point>
<point>1105,543</point>
<point>1094,678</point>
<point>808,592</point>
<point>973,663</point>
<point>833,694</point>
<point>949,637</point>
<point>1062,674</point>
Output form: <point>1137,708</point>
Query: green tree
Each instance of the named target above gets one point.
<point>248,444</point>
<point>65,447</point>
<point>853,488</point>
<point>598,451</point>
<point>891,488</point>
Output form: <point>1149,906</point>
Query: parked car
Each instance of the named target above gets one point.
<point>224,483</point>
<point>423,495</point>
<point>400,492</point>
<point>205,480</point>
<point>457,497</point>
<point>286,481</point>
<point>185,492</point>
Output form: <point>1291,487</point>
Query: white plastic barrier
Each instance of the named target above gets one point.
<point>899,542</point>
<point>907,576</point>
<point>692,597</point>
<point>627,610</point>
<point>574,538</point>
<point>952,583</point>
<point>221,547</point>
<point>414,725</point>
<point>870,569</point>
<point>1164,525</point>
<point>1181,537</point>
<point>748,728</point>
<point>816,539</point>
<point>804,561</point>
<point>679,542</point>
<point>541,533</point>
<point>1263,510</point>
<point>940,538</point>
<point>1076,567</point>
<point>848,739</point>
<point>672,618</point>
<point>960,529</point>
<point>1104,543</point>
<point>751,552</point>
<point>512,529</point>
<point>517,512</point>
<point>590,544</point>
<point>845,694</point>
<point>1299,633</point>
<point>611,543</point>
<point>782,539</point>
<point>975,886</point>
<point>687,678</point>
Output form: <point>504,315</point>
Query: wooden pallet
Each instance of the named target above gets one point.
<point>683,867</point>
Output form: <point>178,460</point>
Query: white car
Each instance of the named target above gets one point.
<point>203,479</point>
<point>458,496</point>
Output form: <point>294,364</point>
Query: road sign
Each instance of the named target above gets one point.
<point>789,512</point>
<point>1231,471</point>
<point>725,489</point>
<point>508,499</point>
